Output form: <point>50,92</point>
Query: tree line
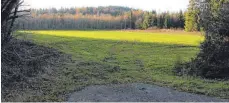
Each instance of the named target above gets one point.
<point>111,17</point>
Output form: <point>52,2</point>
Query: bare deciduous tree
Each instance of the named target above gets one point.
<point>10,12</point>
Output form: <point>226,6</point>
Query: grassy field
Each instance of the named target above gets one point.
<point>102,57</point>
<point>165,38</point>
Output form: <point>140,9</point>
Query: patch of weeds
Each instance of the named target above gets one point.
<point>140,64</point>
<point>110,59</point>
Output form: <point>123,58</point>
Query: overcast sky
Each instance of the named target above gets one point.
<point>159,5</point>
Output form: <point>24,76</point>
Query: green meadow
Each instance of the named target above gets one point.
<point>106,57</point>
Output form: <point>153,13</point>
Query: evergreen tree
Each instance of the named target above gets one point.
<point>160,21</point>
<point>191,17</point>
<point>153,22</point>
<point>181,19</point>
<point>146,21</point>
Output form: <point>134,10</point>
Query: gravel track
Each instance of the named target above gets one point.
<point>136,92</point>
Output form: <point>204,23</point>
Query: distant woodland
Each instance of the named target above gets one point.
<point>110,17</point>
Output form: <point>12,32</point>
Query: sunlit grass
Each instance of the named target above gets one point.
<point>166,38</point>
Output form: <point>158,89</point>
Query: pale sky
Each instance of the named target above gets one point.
<point>159,5</point>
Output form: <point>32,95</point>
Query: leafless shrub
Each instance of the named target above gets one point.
<point>23,63</point>
<point>10,11</point>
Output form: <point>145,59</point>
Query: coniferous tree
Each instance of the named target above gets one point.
<point>191,17</point>
<point>181,19</point>
<point>146,21</point>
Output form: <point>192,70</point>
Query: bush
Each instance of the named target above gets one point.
<point>213,59</point>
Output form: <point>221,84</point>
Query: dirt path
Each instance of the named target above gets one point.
<point>136,92</point>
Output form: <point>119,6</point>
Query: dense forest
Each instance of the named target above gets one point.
<point>110,17</point>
